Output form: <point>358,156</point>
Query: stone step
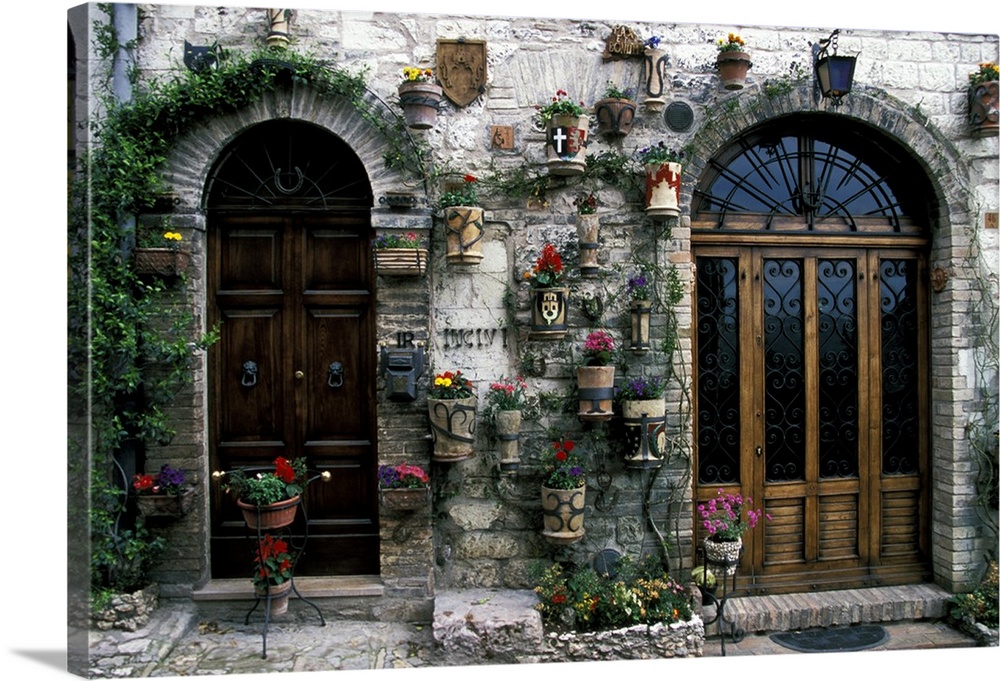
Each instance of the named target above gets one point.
<point>791,612</point>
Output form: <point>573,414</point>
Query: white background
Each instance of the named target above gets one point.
<point>32,557</point>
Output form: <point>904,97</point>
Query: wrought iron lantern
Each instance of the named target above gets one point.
<point>834,73</point>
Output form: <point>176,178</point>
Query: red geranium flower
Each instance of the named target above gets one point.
<point>284,470</point>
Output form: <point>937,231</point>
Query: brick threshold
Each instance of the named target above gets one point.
<point>309,587</point>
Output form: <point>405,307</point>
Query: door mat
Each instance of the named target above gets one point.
<point>837,640</point>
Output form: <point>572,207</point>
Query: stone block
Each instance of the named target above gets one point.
<point>477,625</point>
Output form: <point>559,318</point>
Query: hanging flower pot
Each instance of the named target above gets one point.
<point>419,98</point>
<point>401,262</point>
<point>270,516</point>
<point>548,312</point>
<point>639,316</point>
<point>654,75</point>
<point>451,406</point>
<point>723,555</point>
<point>596,392</point>
<point>563,512</point>
<point>732,62</point>
<point>614,113</point>
<point>984,109</point>
<point>644,421</point>
<point>587,233</point>
<point>464,225</point>
<point>566,145</point>
<point>165,262</point>
<point>165,505</point>
<point>508,425</point>
<point>403,488</point>
<point>663,190</point>
<point>404,499</point>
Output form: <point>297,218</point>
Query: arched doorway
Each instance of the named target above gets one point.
<point>289,277</point>
<point>810,236</point>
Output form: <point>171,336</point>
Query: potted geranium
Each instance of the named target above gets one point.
<point>272,573</point>
<point>269,498</point>
<point>643,413</point>
<point>639,288</point>
<point>548,295</point>
<point>451,406</point>
<point>160,254</point>
<point>399,255</point>
<point>615,112</point>
<point>463,218</point>
<point>403,487</point>
<point>733,62</point>
<point>587,224</point>
<point>566,124</point>
<point>564,491</point>
<point>663,180</point>
<point>726,518</point>
<point>596,378</point>
<point>504,401</point>
<point>984,110</point>
<point>419,97</point>
<point>163,495</point>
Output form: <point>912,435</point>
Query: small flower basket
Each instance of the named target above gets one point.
<point>163,495</point>
<point>403,487</point>
<point>566,124</point>
<point>163,261</point>
<point>451,407</point>
<point>548,296</point>
<point>733,62</point>
<point>564,493</point>
<point>984,103</point>
<point>419,98</point>
<point>399,256</point>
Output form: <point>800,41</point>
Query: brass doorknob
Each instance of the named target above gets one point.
<point>300,375</point>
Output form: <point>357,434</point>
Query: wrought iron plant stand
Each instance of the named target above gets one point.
<point>727,584</point>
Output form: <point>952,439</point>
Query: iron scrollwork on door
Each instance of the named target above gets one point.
<point>335,375</point>
<point>249,378</point>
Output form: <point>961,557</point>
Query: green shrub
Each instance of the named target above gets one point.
<point>981,604</point>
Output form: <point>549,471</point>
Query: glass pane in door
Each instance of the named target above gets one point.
<point>900,405</point>
<point>837,332</point>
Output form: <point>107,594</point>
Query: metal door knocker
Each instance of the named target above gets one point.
<point>335,375</point>
<point>249,379</point>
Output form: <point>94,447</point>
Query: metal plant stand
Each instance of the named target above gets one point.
<point>727,584</point>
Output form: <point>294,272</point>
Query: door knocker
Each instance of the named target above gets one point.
<point>249,379</point>
<point>335,375</point>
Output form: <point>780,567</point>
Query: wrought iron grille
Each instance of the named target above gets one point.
<point>900,403</point>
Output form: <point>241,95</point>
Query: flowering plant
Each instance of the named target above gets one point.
<point>652,42</point>
<point>408,240</point>
<point>413,74</point>
<point>403,476</point>
<point>659,153</point>
<point>586,204</point>
<point>641,388</point>
<point>723,517</point>
<point>562,466</point>
<point>451,385</point>
<point>987,72</point>
<point>168,481</point>
<point>272,563</point>
<point>463,196</point>
<point>612,91</point>
<point>507,394</point>
<point>560,104</point>
<point>640,287</point>
<point>731,43</point>
<point>548,269</point>
<point>598,348</point>
<point>286,481</point>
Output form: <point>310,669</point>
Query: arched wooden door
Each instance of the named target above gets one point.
<point>291,281</point>
<point>812,343</point>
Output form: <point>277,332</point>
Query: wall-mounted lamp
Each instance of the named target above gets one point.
<point>834,73</point>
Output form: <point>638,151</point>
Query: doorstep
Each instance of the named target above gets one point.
<point>352,586</point>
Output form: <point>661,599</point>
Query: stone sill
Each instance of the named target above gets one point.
<point>308,587</point>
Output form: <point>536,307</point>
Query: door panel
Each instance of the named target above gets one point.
<point>294,295</point>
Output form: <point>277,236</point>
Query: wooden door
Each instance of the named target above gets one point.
<point>294,296</point>
<point>810,395</point>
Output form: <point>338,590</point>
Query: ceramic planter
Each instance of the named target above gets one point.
<point>420,103</point>
<point>586,233</point>
<point>654,79</point>
<point>614,117</point>
<point>272,516</point>
<point>404,498</point>
<point>644,422</point>
<point>733,67</point>
<point>563,514</point>
<point>639,316</point>
<point>596,392</point>
<point>566,144</point>
<point>983,109</point>
<point>663,190</point>
<point>401,262</point>
<point>464,234</point>
<point>548,312</point>
<point>453,426</point>
<point>723,555</point>
<point>508,425</point>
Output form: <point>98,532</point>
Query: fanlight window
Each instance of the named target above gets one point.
<point>805,174</point>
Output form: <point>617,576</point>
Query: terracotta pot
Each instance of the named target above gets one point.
<point>464,231</point>
<point>508,424</point>
<point>272,516</point>
<point>566,144</point>
<point>639,314</point>
<point>404,498</point>
<point>278,594</point>
<point>548,312</point>
<point>646,444</point>
<point>614,116</point>
<point>733,67</point>
<point>723,554</point>
<point>663,190</point>
<point>596,390</point>
<point>401,262</point>
<point>453,425</point>
<point>586,231</point>
<point>165,505</point>
<point>420,103</point>
<point>563,514</point>
<point>983,109</point>
<point>654,79</point>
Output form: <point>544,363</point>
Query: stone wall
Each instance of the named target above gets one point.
<point>483,528</point>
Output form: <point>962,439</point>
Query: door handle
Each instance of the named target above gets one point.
<point>300,374</point>
<point>335,375</point>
